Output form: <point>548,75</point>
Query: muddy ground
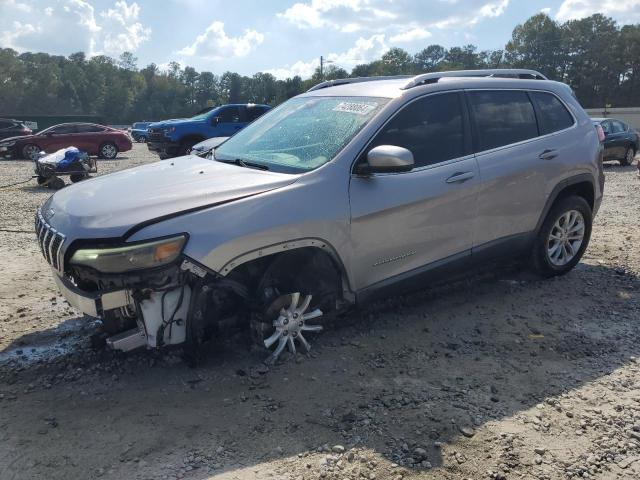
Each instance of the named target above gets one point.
<point>500,376</point>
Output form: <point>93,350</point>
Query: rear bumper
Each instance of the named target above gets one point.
<point>92,304</point>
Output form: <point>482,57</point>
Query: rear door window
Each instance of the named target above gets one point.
<point>230,115</point>
<point>432,128</point>
<point>617,127</point>
<point>502,117</point>
<point>255,112</point>
<point>553,116</point>
<point>88,128</point>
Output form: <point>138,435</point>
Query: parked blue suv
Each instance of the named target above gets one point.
<point>139,131</point>
<point>172,138</point>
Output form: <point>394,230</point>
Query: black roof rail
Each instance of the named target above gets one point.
<point>345,81</point>
<point>433,77</point>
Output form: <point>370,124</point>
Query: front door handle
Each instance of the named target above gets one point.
<point>459,177</point>
<point>548,154</point>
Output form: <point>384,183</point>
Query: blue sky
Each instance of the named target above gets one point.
<point>279,36</point>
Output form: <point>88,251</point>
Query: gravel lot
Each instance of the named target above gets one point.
<point>499,376</point>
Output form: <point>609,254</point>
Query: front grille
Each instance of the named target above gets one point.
<point>156,135</point>
<point>50,241</point>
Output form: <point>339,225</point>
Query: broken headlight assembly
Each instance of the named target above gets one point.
<point>125,258</point>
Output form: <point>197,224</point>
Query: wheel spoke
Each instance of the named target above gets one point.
<point>295,298</point>
<point>276,353</point>
<point>305,304</point>
<point>311,328</point>
<point>311,315</point>
<point>273,338</point>
<point>304,342</point>
<point>292,344</point>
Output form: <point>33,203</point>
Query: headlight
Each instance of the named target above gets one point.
<point>131,257</point>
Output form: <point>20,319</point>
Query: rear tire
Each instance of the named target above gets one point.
<point>556,249</point>
<point>629,155</point>
<point>108,151</point>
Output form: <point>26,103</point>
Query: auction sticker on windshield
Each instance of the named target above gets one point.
<point>357,108</point>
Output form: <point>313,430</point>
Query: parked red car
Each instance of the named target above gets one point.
<point>105,142</point>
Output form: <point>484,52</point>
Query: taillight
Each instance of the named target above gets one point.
<point>600,133</point>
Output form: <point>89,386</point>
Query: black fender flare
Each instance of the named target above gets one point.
<point>558,189</point>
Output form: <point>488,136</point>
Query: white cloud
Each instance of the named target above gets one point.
<point>123,31</point>
<point>15,5</point>
<point>74,25</point>
<point>627,11</point>
<point>471,18</point>
<point>312,15</point>
<point>214,43</point>
<point>363,51</point>
<point>412,35</point>
<point>10,37</point>
<point>545,10</point>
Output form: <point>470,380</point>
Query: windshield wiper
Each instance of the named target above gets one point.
<point>243,163</point>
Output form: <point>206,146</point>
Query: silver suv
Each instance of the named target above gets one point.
<point>350,189</point>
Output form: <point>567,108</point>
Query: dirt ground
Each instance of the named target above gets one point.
<point>500,376</point>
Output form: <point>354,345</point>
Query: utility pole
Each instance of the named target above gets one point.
<point>322,62</point>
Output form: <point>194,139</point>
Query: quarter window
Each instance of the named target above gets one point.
<point>552,114</point>
<point>431,128</point>
<point>502,118</point>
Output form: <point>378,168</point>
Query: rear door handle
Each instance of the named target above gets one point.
<point>460,177</point>
<point>548,154</point>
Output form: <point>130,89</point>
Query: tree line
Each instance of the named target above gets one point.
<point>597,58</point>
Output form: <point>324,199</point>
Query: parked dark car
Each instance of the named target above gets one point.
<point>621,142</point>
<point>139,131</point>
<point>12,128</point>
<point>105,142</point>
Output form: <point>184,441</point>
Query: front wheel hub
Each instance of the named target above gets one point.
<point>288,328</point>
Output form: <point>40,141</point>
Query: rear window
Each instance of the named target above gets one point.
<point>553,115</point>
<point>502,118</point>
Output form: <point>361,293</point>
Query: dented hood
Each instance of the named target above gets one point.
<point>110,205</point>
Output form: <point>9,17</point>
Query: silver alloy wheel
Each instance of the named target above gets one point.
<point>630,156</point>
<point>565,238</point>
<point>108,151</point>
<point>31,152</point>
<point>289,326</point>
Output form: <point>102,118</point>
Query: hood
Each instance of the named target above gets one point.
<point>166,123</point>
<point>110,205</point>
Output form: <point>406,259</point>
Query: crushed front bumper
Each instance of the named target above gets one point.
<point>92,304</point>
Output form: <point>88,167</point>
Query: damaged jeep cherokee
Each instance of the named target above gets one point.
<point>348,190</point>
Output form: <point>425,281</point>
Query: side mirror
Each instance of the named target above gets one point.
<point>387,159</point>
<point>215,121</point>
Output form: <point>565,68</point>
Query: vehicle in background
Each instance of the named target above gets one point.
<point>356,188</point>
<point>13,128</point>
<point>172,138</point>
<point>203,149</point>
<point>105,142</point>
<point>621,142</point>
<point>139,132</point>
